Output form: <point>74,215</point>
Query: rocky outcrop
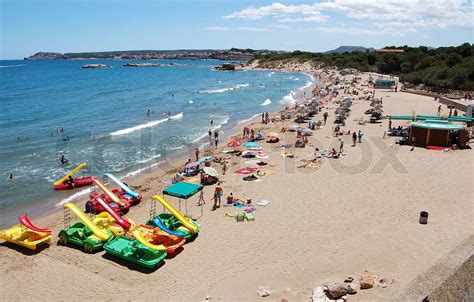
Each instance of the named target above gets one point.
<point>46,56</point>
<point>95,66</point>
<point>142,65</point>
<point>230,67</point>
<point>366,281</point>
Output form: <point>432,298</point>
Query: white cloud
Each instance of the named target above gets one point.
<point>393,13</point>
<point>281,12</point>
<point>240,28</point>
<point>277,26</point>
<point>406,13</point>
<point>357,31</point>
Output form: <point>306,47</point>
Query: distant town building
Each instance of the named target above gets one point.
<point>390,50</point>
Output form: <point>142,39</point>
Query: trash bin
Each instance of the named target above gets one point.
<point>423,217</point>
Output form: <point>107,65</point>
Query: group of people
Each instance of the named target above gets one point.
<point>248,133</point>
<point>214,141</point>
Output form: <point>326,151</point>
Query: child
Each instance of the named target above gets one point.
<point>224,169</point>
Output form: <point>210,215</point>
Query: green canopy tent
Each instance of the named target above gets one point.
<point>432,132</point>
<point>183,190</point>
<point>384,83</point>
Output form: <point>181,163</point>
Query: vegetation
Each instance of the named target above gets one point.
<point>441,68</point>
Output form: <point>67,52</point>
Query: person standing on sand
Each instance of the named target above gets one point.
<point>218,191</point>
<point>413,142</point>
<point>354,139</point>
<point>359,136</point>
<point>201,200</point>
<point>263,117</point>
<point>197,154</point>
<point>325,117</point>
<point>224,168</point>
<point>439,110</point>
<point>341,146</point>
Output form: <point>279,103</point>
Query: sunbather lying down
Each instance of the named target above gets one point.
<point>310,163</point>
<point>287,155</point>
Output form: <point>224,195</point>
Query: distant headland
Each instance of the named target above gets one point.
<point>181,54</point>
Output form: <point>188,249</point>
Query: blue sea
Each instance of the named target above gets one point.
<point>114,119</point>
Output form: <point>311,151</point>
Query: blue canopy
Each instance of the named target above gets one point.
<point>182,190</point>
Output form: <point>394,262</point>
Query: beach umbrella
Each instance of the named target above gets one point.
<point>233,144</point>
<point>191,165</point>
<point>251,165</point>
<point>253,161</point>
<point>250,145</point>
<point>293,127</point>
<point>307,131</point>
<point>272,134</point>
<point>210,171</point>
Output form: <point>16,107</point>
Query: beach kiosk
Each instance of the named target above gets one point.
<point>183,190</point>
<point>439,133</point>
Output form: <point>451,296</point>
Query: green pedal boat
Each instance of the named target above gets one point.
<point>133,251</point>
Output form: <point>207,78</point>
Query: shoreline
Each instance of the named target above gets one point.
<point>168,165</point>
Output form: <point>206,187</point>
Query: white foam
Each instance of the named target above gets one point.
<point>266,102</point>
<point>226,89</point>
<point>249,119</point>
<point>138,127</point>
<point>73,196</point>
<point>176,148</point>
<point>146,125</point>
<point>149,159</point>
<point>8,66</point>
<point>271,74</point>
<point>176,116</point>
<point>307,85</point>
<point>138,171</point>
<point>199,138</point>
<point>289,99</point>
<point>190,102</point>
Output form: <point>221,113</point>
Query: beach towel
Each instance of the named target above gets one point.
<point>192,179</point>
<point>263,202</point>
<point>262,156</point>
<point>250,216</point>
<point>245,171</point>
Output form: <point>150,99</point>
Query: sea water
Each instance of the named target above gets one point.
<point>121,120</point>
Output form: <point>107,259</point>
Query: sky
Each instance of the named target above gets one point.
<point>30,26</point>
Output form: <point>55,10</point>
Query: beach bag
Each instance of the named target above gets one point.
<point>239,217</point>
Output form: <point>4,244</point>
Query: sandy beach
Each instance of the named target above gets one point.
<point>343,217</point>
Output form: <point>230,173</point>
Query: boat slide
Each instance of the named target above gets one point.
<point>109,193</point>
<point>24,220</point>
<point>157,221</point>
<point>123,186</point>
<point>101,234</point>
<point>186,223</point>
<point>119,219</point>
<point>137,234</point>
<point>128,224</point>
<point>73,171</point>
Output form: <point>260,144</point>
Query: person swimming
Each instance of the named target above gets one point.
<point>63,159</point>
